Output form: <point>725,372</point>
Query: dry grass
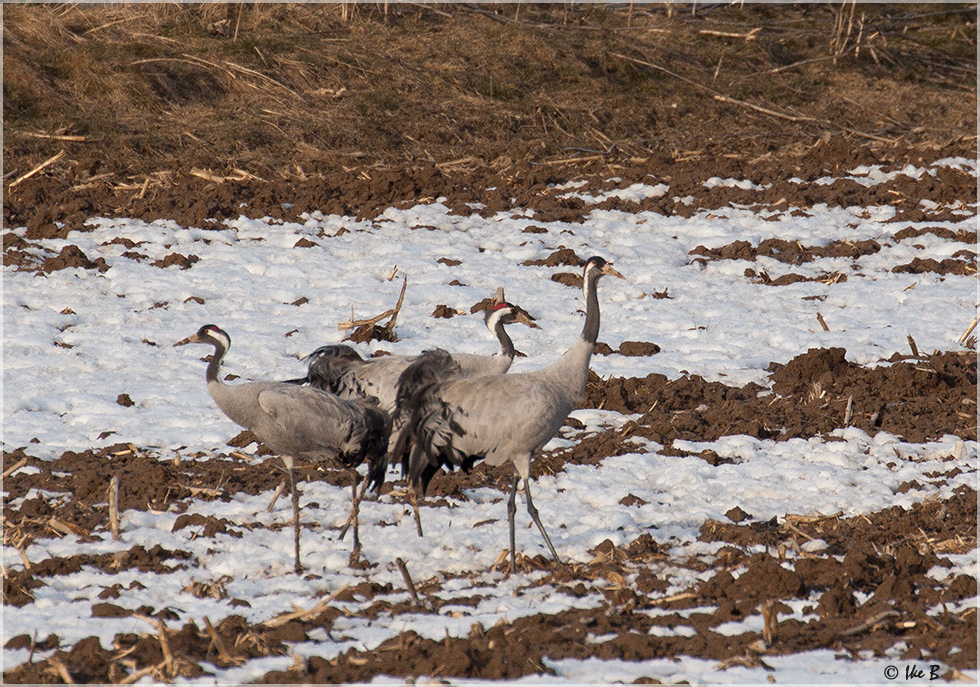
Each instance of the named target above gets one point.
<point>266,87</point>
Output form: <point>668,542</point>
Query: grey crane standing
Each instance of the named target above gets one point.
<point>393,380</point>
<point>298,422</point>
<point>501,418</point>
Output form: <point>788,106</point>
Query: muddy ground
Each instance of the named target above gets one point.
<point>199,114</point>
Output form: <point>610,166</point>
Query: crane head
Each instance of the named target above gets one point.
<point>601,266</point>
<point>509,313</point>
<point>209,334</point>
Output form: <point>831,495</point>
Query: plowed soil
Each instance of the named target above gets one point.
<point>199,114</point>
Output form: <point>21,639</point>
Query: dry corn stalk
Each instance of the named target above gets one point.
<point>393,312</point>
<point>114,508</point>
<point>300,613</point>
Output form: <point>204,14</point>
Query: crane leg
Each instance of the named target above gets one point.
<point>413,482</point>
<point>537,521</point>
<point>354,511</point>
<point>413,493</point>
<point>511,510</point>
<point>352,518</point>
<point>288,461</point>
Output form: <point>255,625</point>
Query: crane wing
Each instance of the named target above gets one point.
<point>494,418</point>
<point>313,421</point>
<point>377,378</point>
<point>328,364</point>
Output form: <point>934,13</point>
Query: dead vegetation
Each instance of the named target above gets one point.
<point>259,91</point>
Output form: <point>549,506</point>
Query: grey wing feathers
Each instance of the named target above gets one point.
<point>458,423</point>
<point>328,366</point>
<point>430,440</point>
<point>448,427</point>
<point>313,422</point>
<point>378,378</point>
<point>341,370</point>
<point>375,433</point>
<point>429,368</point>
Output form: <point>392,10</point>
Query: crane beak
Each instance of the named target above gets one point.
<point>194,338</point>
<point>523,317</point>
<point>608,269</point>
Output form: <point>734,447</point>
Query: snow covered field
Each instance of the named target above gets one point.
<point>74,340</point>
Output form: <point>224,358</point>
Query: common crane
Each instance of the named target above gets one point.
<point>501,418</point>
<point>298,422</point>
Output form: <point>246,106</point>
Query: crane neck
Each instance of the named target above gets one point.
<point>506,345</point>
<point>212,372</point>
<point>572,369</point>
<point>590,332</point>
